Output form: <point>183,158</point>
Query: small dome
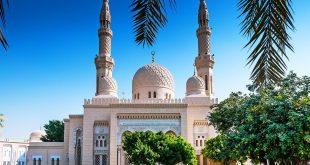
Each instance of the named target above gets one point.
<point>108,87</point>
<point>36,136</point>
<point>195,85</point>
<point>153,78</point>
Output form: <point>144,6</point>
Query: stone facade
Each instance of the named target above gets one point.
<point>46,153</point>
<point>95,137</point>
<point>13,152</point>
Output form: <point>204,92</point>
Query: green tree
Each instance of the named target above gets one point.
<point>54,131</point>
<point>265,23</point>
<point>151,148</point>
<point>271,123</point>
<point>217,150</point>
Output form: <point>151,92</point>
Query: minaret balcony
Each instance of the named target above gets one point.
<point>102,61</point>
<point>204,61</point>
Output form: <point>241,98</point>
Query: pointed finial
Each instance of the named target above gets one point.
<point>123,93</point>
<point>153,57</point>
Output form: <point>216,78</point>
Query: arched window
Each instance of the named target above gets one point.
<point>135,97</point>
<point>101,143</point>
<point>78,153</point>
<point>154,94</point>
<point>53,161</point>
<point>138,96</point>
<point>34,161</point>
<point>78,146</point>
<point>97,85</point>
<point>39,161</point>
<point>166,95</point>
<point>211,84</point>
<point>206,82</point>
<point>105,143</point>
<point>57,161</point>
<point>196,143</point>
<point>200,143</point>
<point>150,95</point>
<point>96,143</point>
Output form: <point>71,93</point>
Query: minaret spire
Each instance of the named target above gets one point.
<point>105,32</point>
<point>204,61</point>
<point>204,31</point>
<point>106,85</point>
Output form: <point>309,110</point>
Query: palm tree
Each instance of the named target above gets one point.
<point>1,120</point>
<point>265,24</point>
<point>3,23</point>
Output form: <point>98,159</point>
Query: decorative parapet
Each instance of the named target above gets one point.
<point>201,122</point>
<point>149,116</point>
<point>101,123</point>
<point>116,101</point>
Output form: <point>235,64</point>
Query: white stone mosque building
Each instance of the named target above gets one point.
<point>95,137</point>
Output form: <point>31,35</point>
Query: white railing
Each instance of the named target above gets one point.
<point>193,100</point>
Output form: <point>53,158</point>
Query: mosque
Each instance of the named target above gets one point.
<point>95,137</point>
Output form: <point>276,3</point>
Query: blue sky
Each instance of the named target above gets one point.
<point>49,67</point>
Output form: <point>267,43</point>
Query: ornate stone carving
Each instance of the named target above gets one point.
<point>153,75</point>
<point>77,134</point>
<point>107,84</point>
<point>195,85</point>
<point>154,125</point>
<point>201,122</point>
<point>148,116</point>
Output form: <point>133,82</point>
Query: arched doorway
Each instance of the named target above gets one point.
<point>122,156</point>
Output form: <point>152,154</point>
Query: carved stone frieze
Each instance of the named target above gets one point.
<point>154,125</point>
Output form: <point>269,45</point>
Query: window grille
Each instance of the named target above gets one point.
<point>97,160</point>
<point>104,160</point>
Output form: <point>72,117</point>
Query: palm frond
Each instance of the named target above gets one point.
<point>266,24</point>
<point>1,120</point>
<point>149,16</point>
<point>3,22</point>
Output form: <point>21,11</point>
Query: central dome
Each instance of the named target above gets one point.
<point>153,81</point>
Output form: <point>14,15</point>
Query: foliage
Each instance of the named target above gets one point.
<point>265,23</point>
<point>274,122</point>
<point>216,149</point>
<point>54,131</point>
<point>232,106</point>
<point>1,120</point>
<point>3,40</point>
<point>149,16</point>
<point>151,148</point>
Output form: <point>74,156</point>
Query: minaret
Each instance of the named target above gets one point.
<point>204,61</point>
<point>105,84</point>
